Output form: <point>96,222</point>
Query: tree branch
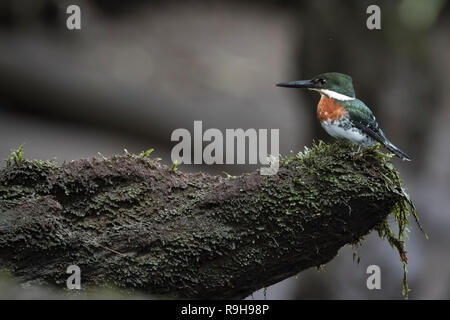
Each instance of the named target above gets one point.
<point>133,223</point>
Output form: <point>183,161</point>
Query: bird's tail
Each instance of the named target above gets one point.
<point>399,153</point>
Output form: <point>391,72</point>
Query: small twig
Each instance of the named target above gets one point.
<point>112,250</point>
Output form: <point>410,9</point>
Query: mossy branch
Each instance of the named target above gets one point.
<point>133,223</point>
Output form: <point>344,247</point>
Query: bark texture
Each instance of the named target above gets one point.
<point>133,223</point>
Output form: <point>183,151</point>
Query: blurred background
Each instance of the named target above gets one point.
<point>137,70</point>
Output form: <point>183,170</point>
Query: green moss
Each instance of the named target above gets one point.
<point>177,232</point>
<point>400,213</point>
<point>16,156</point>
<point>174,166</point>
<point>339,177</point>
<point>146,154</point>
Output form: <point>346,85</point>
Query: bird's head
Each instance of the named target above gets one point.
<point>332,84</point>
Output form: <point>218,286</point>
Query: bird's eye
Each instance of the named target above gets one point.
<point>322,81</point>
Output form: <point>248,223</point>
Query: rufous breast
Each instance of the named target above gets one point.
<point>329,109</point>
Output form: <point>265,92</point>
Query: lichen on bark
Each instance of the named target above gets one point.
<point>133,223</point>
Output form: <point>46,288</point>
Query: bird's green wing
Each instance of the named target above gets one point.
<point>362,118</point>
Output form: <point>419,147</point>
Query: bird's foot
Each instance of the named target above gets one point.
<point>354,153</point>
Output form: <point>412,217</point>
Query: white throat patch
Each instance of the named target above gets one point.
<point>334,94</point>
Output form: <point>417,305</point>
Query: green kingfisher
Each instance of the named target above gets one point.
<point>342,115</point>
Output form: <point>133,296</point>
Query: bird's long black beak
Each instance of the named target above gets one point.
<point>297,84</point>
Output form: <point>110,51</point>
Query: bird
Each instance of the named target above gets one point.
<point>342,115</point>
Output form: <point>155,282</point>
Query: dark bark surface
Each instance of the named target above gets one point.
<point>135,224</point>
